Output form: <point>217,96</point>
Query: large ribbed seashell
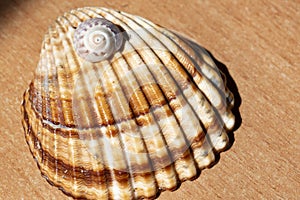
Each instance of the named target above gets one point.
<point>142,119</point>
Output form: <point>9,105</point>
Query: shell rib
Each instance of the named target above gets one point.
<point>141,120</point>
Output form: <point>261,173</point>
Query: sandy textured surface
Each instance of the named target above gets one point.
<point>259,43</point>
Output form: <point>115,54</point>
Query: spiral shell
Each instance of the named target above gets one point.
<point>97,39</point>
<point>139,117</point>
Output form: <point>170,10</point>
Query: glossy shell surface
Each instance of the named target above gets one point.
<point>140,121</point>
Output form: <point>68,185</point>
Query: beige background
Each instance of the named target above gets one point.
<point>258,41</point>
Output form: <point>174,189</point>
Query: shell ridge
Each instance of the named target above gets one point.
<point>43,84</point>
<point>210,156</point>
<point>64,77</point>
<point>135,52</point>
<point>107,14</point>
<point>150,113</point>
<point>151,70</point>
<point>52,161</point>
<point>107,147</point>
<point>57,99</point>
<point>144,95</point>
<point>62,27</point>
<point>52,90</point>
<point>78,152</point>
<point>206,146</point>
<point>129,171</point>
<point>140,135</point>
<point>212,135</point>
<point>65,21</point>
<point>218,81</point>
<point>148,158</point>
<point>82,17</point>
<point>217,137</point>
<point>207,68</point>
<point>87,16</point>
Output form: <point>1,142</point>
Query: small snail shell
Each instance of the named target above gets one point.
<point>97,39</point>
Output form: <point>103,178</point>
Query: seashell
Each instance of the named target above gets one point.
<point>139,116</point>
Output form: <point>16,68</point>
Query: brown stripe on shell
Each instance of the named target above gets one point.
<point>75,151</point>
<point>51,120</point>
<point>171,151</point>
<point>171,97</point>
<point>51,88</point>
<point>64,143</point>
<point>213,79</point>
<point>63,174</point>
<point>55,109</point>
<point>173,107</point>
<point>207,116</point>
<point>175,67</point>
<point>63,82</point>
<point>87,177</point>
<point>205,147</point>
<point>72,131</point>
<point>89,121</point>
<point>134,145</point>
<point>207,75</point>
<point>123,138</point>
<point>43,88</point>
<point>46,134</point>
<point>175,180</point>
<point>154,101</point>
<point>106,117</point>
